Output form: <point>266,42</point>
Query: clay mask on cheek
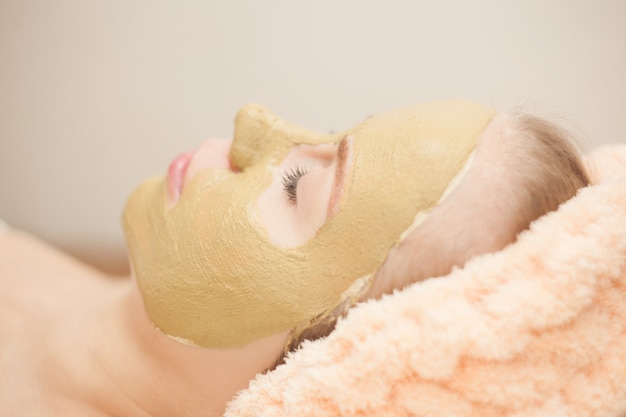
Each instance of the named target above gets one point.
<point>206,267</point>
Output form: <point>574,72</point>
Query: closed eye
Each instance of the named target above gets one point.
<point>290,183</point>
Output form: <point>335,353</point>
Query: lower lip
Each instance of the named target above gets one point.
<point>176,176</point>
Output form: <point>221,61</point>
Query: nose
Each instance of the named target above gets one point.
<point>260,134</point>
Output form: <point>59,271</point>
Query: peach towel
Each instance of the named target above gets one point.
<point>537,329</point>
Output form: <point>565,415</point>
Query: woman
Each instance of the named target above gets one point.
<point>245,249</point>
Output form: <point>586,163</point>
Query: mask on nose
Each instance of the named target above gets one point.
<point>206,267</point>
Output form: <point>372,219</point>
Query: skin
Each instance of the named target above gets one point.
<point>227,263</point>
<point>76,342</point>
<point>479,216</point>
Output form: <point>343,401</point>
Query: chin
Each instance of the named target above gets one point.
<point>144,211</point>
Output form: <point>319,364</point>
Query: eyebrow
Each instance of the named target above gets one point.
<point>343,153</point>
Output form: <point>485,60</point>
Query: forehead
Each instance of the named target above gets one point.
<point>407,157</point>
<point>447,123</point>
<point>420,148</point>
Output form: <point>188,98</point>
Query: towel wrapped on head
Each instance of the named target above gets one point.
<point>536,329</point>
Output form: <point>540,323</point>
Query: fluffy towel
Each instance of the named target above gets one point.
<point>537,329</point>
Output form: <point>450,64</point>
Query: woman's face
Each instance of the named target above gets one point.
<point>304,190</point>
<point>251,239</point>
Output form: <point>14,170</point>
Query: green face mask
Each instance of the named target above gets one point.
<point>206,267</point>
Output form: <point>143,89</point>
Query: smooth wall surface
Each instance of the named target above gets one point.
<point>97,95</point>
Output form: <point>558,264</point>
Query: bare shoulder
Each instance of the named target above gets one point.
<point>40,287</point>
<point>33,272</point>
<point>16,246</point>
<point>19,249</point>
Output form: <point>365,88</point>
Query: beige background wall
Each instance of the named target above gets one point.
<point>96,95</point>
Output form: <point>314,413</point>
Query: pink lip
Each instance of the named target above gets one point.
<point>176,176</point>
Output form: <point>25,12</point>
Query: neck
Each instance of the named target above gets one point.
<point>146,373</point>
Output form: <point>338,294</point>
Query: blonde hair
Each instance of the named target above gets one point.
<point>532,167</point>
<point>557,169</point>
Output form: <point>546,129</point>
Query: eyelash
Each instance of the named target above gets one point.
<point>290,183</point>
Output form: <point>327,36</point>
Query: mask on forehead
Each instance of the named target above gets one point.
<point>206,267</point>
